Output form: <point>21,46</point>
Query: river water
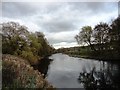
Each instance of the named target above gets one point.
<point>63,71</point>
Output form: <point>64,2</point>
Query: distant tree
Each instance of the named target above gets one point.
<point>114,34</point>
<point>85,36</point>
<point>104,39</point>
<point>115,31</point>
<point>101,34</point>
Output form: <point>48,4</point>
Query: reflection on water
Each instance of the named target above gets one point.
<point>105,78</point>
<point>43,66</point>
<point>69,72</point>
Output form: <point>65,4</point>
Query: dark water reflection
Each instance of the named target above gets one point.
<point>105,78</point>
<point>43,66</point>
<point>64,71</point>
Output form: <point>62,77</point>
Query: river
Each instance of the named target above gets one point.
<point>63,71</point>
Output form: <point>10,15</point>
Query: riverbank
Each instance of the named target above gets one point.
<point>86,52</point>
<point>96,57</point>
<point>42,66</point>
<point>18,73</point>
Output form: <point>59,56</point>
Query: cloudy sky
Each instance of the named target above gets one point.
<point>59,21</point>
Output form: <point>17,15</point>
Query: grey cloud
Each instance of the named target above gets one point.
<point>15,9</point>
<point>94,7</point>
<point>58,25</point>
<point>65,36</point>
<point>20,9</point>
<point>53,41</point>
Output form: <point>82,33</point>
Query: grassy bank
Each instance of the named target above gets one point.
<point>86,52</point>
<point>18,73</point>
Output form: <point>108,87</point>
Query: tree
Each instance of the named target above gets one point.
<point>13,29</point>
<point>16,40</point>
<point>104,39</point>
<point>114,34</point>
<point>14,37</point>
<point>100,34</point>
<point>85,37</point>
<point>115,30</point>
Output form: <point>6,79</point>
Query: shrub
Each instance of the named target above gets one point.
<point>17,73</point>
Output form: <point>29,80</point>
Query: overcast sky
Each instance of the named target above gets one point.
<point>60,22</point>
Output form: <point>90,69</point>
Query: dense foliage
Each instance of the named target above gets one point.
<point>17,40</point>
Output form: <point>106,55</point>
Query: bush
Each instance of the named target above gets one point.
<point>17,73</point>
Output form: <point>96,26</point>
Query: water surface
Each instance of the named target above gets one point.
<point>65,71</point>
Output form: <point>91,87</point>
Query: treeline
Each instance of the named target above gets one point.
<point>100,42</point>
<point>17,40</point>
